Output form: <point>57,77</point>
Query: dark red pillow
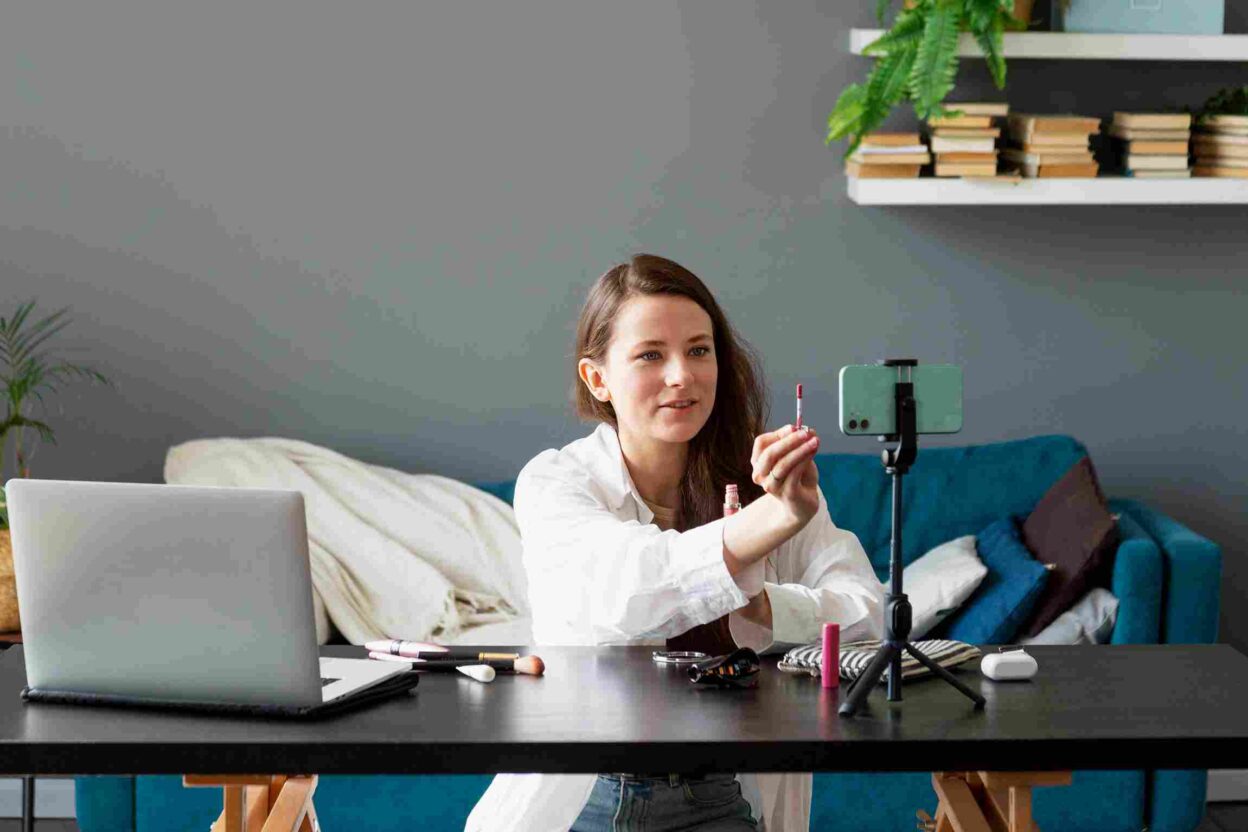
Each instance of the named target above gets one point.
<point>1072,529</point>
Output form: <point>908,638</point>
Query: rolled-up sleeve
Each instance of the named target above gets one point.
<point>597,578</point>
<point>821,575</point>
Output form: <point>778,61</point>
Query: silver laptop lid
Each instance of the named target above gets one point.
<point>169,591</point>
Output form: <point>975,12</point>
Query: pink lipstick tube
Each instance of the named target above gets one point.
<point>831,658</point>
<point>732,500</point>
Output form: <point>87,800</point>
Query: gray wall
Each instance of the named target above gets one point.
<point>371,226</point>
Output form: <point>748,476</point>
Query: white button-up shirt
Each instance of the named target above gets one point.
<point>600,573</point>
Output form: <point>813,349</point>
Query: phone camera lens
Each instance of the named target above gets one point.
<point>865,424</point>
<point>853,424</point>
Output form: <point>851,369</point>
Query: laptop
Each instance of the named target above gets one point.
<point>172,592</point>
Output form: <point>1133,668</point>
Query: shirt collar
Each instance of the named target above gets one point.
<point>618,480</point>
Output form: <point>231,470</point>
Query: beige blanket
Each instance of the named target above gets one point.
<point>394,555</point>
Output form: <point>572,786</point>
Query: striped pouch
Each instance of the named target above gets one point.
<point>857,655</point>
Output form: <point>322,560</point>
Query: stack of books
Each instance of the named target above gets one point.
<point>888,156</point>
<point>966,145</point>
<point>1221,147</point>
<point>1152,145</point>
<point>1052,146</point>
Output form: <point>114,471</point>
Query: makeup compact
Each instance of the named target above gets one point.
<point>677,656</point>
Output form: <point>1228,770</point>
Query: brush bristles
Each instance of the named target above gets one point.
<point>532,665</point>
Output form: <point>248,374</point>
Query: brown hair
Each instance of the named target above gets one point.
<point>720,452</point>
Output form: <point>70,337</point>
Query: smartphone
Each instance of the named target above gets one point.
<point>868,406</point>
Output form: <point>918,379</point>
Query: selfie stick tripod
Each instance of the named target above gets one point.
<point>897,614</point>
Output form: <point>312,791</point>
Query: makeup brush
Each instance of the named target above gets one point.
<point>528,665</point>
<point>424,649</point>
<point>473,670</point>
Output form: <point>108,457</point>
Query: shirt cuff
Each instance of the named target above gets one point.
<point>703,576</point>
<point>794,615</point>
<point>746,633</point>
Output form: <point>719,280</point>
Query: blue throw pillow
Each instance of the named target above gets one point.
<point>997,610</point>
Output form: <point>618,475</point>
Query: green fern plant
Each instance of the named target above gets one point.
<point>1230,101</point>
<point>28,373</point>
<point>917,60</point>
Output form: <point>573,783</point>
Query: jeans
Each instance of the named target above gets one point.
<point>666,803</point>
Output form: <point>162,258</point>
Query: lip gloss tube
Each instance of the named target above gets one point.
<point>831,658</point>
<point>732,499</point>
<point>798,423</point>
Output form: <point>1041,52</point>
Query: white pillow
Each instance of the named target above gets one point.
<point>1089,621</point>
<point>513,633</point>
<point>938,582</point>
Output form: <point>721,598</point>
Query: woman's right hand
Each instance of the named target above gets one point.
<point>755,531</point>
<point>783,462</point>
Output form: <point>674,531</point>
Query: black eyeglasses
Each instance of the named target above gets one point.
<point>738,669</point>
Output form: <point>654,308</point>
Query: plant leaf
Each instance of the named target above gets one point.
<point>28,371</point>
<point>889,81</point>
<point>17,421</point>
<point>980,14</point>
<point>990,42</point>
<point>936,65</point>
<point>906,33</point>
<point>885,87</point>
<point>847,114</point>
<point>19,344</point>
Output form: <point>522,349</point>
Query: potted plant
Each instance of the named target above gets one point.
<point>917,60</point>
<point>1229,101</point>
<point>29,373</point>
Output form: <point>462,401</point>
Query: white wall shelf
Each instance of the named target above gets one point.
<point>1106,190</point>
<point>1084,46</point>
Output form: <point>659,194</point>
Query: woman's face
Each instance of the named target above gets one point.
<point>661,368</point>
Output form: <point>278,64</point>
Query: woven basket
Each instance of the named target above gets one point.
<point>10,622</point>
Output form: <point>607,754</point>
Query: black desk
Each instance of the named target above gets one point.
<point>612,709</point>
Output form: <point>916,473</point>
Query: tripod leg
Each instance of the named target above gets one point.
<point>944,674</point>
<point>863,685</point>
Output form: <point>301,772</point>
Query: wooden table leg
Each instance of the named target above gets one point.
<point>262,803</point>
<point>989,801</point>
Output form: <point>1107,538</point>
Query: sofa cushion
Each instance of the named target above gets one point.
<point>378,803</point>
<point>1095,801</point>
<point>1007,595</point>
<point>504,490</point>
<point>940,581</point>
<point>1071,528</point>
<point>949,492</point>
<point>1090,621</point>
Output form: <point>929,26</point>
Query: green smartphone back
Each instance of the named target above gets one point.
<point>867,406</point>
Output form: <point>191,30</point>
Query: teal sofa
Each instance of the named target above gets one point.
<point>1165,576</point>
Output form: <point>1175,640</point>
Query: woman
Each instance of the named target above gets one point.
<point>625,543</point>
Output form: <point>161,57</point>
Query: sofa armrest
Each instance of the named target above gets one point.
<point>104,803</point>
<point>1192,568</point>
<point>1137,582</point>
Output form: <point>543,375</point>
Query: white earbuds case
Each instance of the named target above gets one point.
<point>1011,665</point>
